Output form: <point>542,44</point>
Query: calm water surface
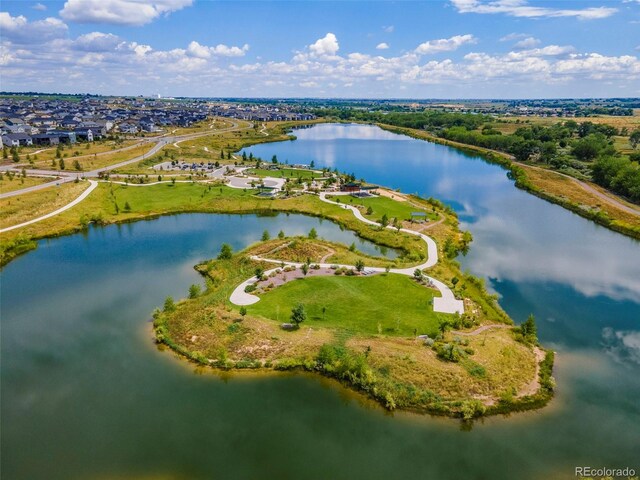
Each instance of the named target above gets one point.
<point>85,394</point>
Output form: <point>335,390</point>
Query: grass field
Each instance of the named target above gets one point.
<point>21,208</point>
<point>19,182</point>
<point>285,173</point>
<point>77,150</point>
<point>389,304</point>
<point>382,206</point>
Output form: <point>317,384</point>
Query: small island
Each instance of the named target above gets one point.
<point>412,332</point>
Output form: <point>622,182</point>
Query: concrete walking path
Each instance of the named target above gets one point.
<point>85,194</point>
<point>446,303</point>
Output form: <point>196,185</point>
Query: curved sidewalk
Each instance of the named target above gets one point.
<point>446,303</point>
<point>84,195</point>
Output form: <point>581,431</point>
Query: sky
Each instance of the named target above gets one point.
<point>351,49</point>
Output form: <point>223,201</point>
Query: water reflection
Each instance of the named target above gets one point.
<point>517,237</point>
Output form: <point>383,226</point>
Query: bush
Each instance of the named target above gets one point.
<point>250,288</point>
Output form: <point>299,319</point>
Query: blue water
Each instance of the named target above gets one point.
<point>85,394</point>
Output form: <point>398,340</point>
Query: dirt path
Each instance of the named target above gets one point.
<point>588,188</point>
<point>534,385</point>
<point>331,251</point>
<point>479,330</point>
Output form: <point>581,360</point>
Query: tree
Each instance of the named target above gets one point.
<point>221,154</point>
<point>76,165</point>
<point>312,164</point>
<point>61,164</point>
<point>359,265</point>
<point>194,290</point>
<point>280,234</point>
<point>305,268</point>
<point>417,273</point>
<point>634,139</point>
<point>226,252</point>
<point>266,236</point>
<point>369,210</point>
<point>274,160</point>
<point>384,221</point>
<point>259,271</point>
<point>352,247</point>
<point>169,304</point>
<point>5,154</point>
<point>127,207</point>
<point>14,156</point>
<point>298,315</point>
<point>244,156</point>
<point>313,234</point>
<point>529,329</point>
<point>243,311</point>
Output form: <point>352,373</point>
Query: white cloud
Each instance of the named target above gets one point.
<point>194,49</point>
<point>39,6</point>
<point>97,42</point>
<point>389,28</point>
<point>514,36</point>
<point>521,8</point>
<point>20,30</point>
<point>528,42</point>
<point>444,44</point>
<point>105,63</point>
<point>326,46</point>
<point>382,46</point>
<point>119,12</point>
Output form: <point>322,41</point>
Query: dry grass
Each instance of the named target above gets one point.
<point>19,182</point>
<point>566,188</point>
<point>21,208</point>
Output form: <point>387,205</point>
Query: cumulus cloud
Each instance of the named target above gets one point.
<point>39,6</point>
<point>326,46</point>
<point>97,42</point>
<point>514,36</point>
<point>119,12</point>
<point>20,30</point>
<point>106,63</point>
<point>528,42</point>
<point>382,46</point>
<point>444,44</point>
<point>194,49</point>
<point>521,8</point>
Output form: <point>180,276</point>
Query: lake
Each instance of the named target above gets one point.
<point>86,394</point>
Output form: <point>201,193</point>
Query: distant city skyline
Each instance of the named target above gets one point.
<point>446,49</point>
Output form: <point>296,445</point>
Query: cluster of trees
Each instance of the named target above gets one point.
<point>619,174</point>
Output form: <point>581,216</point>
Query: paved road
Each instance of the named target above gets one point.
<point>71,176</point>
<point>446,303</point>
<point>85,194</point>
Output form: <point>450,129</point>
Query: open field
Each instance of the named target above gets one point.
<point>18,182</point>
<point>384,206</point>
<point>292,173</point>
<point>391,304</point>
<point>79,150</point>
<point>15,210</point>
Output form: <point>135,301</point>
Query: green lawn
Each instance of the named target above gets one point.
<point>382,205</point>
<point>284,173</point>
<point>390,304</point>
